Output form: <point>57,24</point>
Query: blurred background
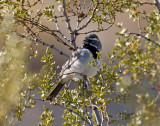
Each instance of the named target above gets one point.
<point>31,117</point>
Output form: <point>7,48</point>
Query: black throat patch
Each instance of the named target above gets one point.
<point>92,49</point>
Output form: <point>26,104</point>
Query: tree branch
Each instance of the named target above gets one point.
<point>38,40</point>
<point>156,3</point>
<point>131,33</point>
<point>89,120</point>
<point>59,31</point>
<point>42,28</point>
<point>80,20</point>
<point>95,109</point>
<point>66,17</point>
<point>107,117</point>
<point>69,26</point>
<point>89,20</point>
<point>99,30</point>
<point>56,104</point>
<point>142,3</point>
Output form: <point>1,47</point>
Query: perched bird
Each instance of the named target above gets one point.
<point>77,65</point>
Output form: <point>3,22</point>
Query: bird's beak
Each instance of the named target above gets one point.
<point>85,42</point>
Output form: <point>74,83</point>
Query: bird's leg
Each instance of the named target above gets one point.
<point>84,82</point>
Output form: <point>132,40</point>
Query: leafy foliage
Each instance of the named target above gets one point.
<point>14,76</point>
<point>47,117</point>
<point>134,81</point>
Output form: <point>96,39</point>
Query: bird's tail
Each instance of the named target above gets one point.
<point>55,91</point>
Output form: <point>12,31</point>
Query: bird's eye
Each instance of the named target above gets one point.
<point>90,41</point>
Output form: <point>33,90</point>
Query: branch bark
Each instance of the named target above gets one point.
<point>95,109</point>
<point>59,31</point>
<point>142,3</point>
<point>38,40</point>
<point>43,28</point>
<point>131,33</point>
<point>89,20</point>
<point>56,104</point>
<point>69,26</point>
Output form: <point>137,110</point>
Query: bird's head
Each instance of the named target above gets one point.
<point>92,40</point>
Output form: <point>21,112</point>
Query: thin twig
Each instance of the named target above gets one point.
<point>95,109</point>
<point>131,33</point>
<point>69,26</point>
<point>66,17</point>
<point>157,4</point>
<point>56,104</point>
<point>88,117</point>
<point>59,31</point>
<point>107,117</point>
<point>40,9</point>
<point>89,120</point>
<point>99,30</point>
<point>80,20</point>
<point>29,29</point>
<point>89,20</point>
<point>38,40</point>
<point>84,15</point>
<point>157,97</point>
<point>35,23</point>
<point>143,3</point>
<point>43,29</point>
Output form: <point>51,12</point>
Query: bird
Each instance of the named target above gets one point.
<point>78,64</point>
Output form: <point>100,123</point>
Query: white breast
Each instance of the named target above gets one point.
<point>81,67</point>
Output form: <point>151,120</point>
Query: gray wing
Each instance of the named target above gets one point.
<point>74,57</point>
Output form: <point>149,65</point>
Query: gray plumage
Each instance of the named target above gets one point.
<point>78,65</point>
